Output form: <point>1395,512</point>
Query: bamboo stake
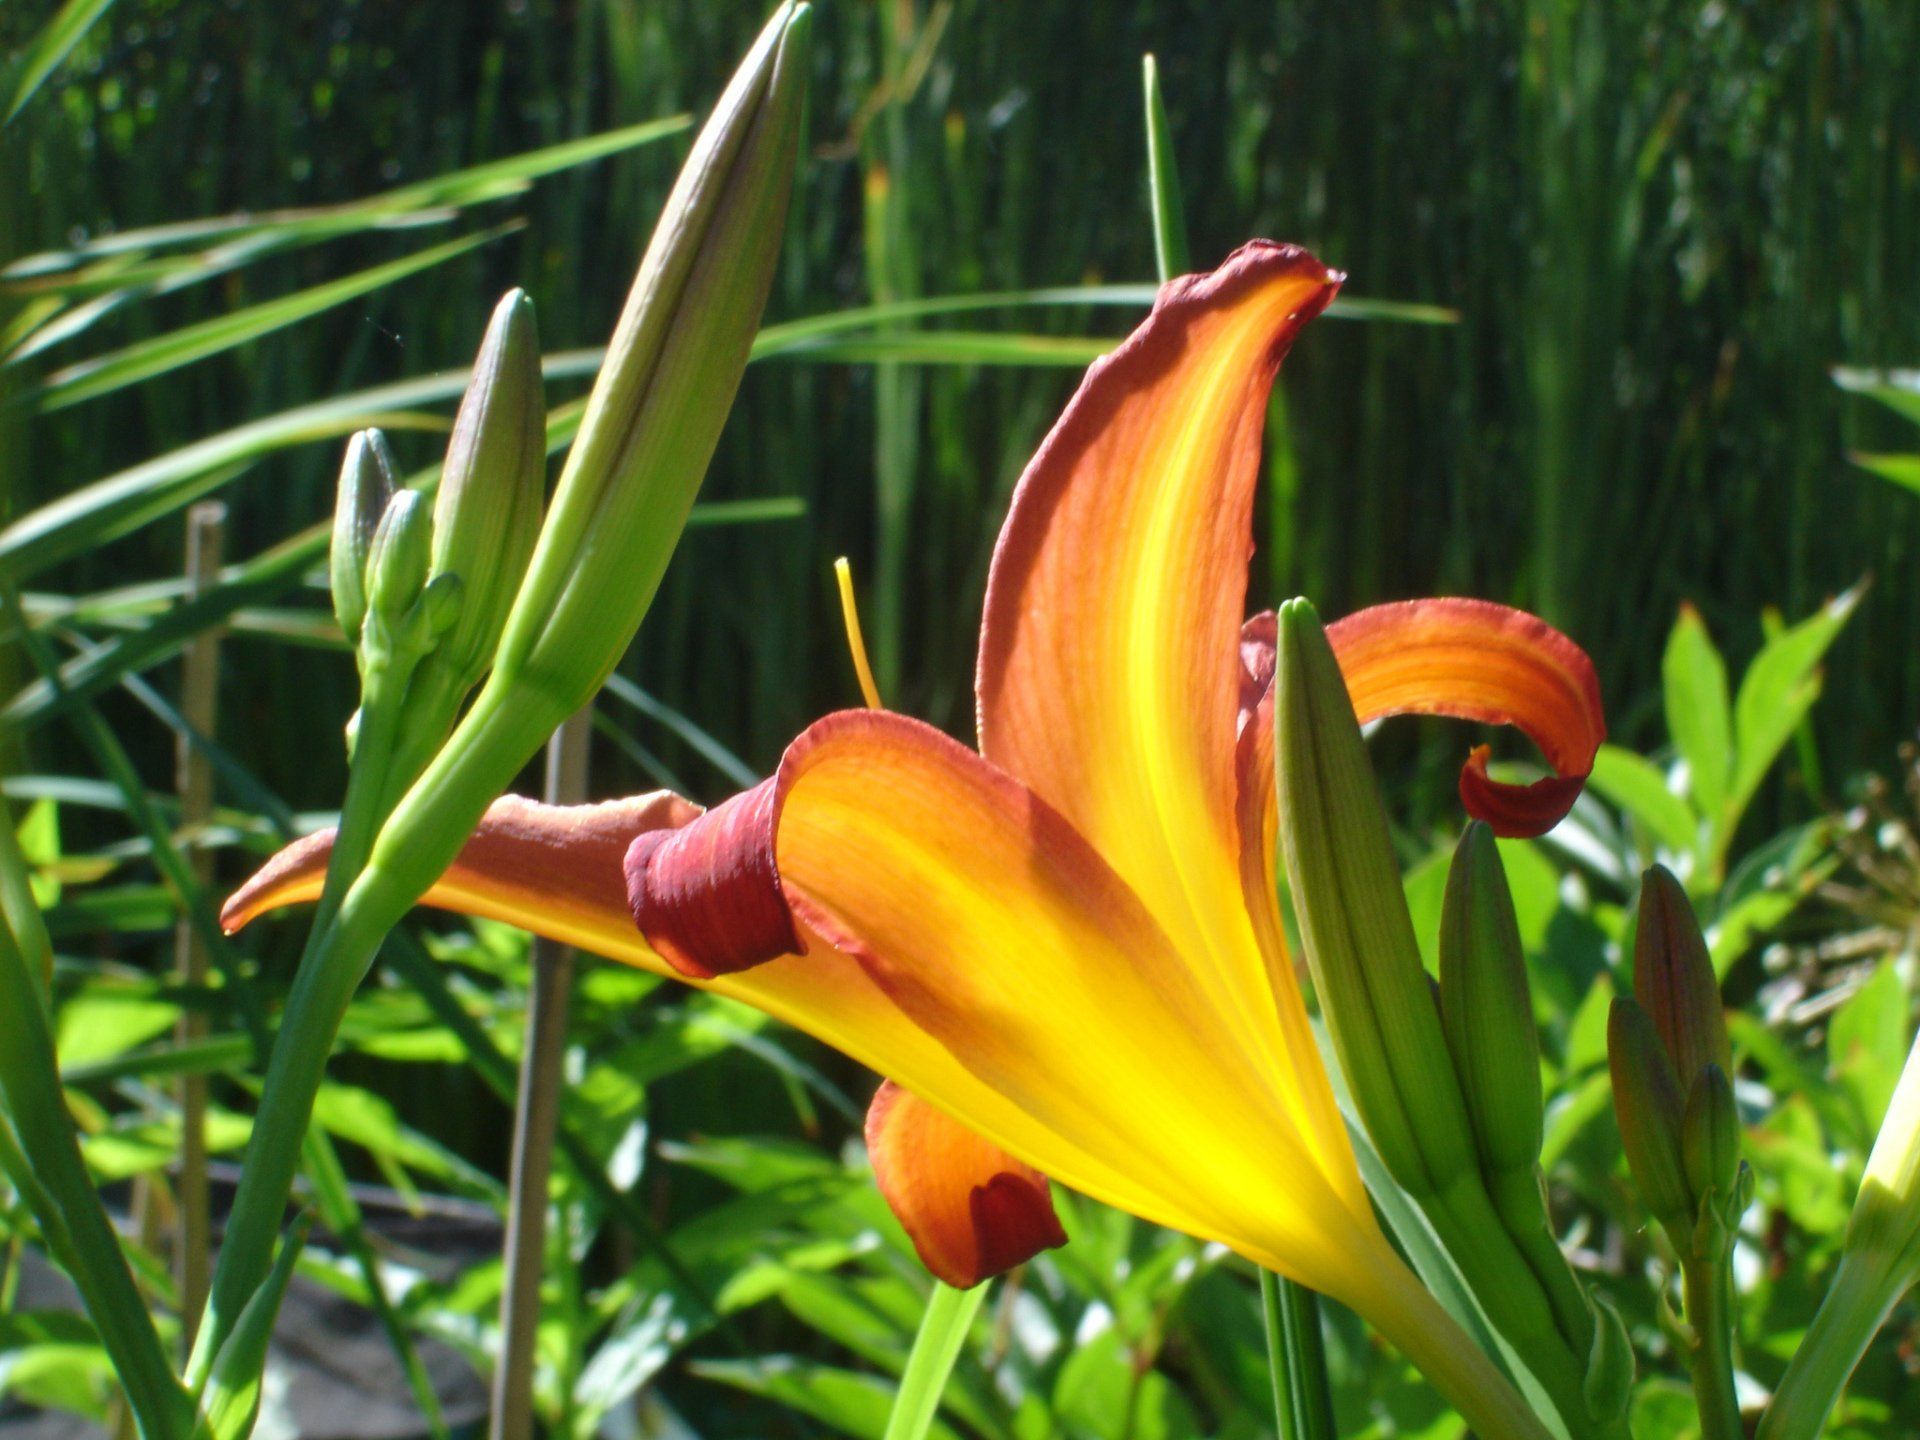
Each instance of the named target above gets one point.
<point>193,777</point>
<point>534,1120</point>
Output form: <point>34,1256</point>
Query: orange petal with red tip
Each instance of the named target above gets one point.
<point>1474,660</point>
<point>971,1210</point>
<point>1467,659</point>
<point>554,869</point>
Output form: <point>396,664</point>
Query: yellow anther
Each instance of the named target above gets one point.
<point>849,612</point>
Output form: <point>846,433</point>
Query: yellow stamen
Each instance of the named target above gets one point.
<point>850,613</point>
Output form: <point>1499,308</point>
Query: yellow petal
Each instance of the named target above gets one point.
<point>1109,675</point>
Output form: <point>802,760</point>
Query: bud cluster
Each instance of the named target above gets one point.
<point>1670,1058</point>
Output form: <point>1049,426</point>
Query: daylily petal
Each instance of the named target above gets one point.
<point>559,863</point>
<point>971,1210</point>
<point>1474,660</point>
<point>1107,655</point>
<point>991,922</point>
<point>1467,659</point>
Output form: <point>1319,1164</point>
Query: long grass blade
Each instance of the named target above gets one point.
<point>43,54</point>
<point>102,375</point>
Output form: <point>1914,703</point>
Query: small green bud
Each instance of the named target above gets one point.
<point>1486,1007</point>
<point>486,516</point>
<point>366,485</point>
<point>434,614</point>
<point>397,563</point>
<point>1354,925</point>
<point>1609,1382</point>
<point>1646,1100</point>
<point>1674,980</point>
<point>1710,1137</point>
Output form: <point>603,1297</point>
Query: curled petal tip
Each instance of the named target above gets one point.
<point>709,898</point>
<point>971,1210</point>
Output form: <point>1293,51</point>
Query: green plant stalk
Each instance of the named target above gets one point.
<point>68,1208</point>
<point>943,1330</point>
<point>1170,251</point>
<point>1708,1296</point>
<point>1297,1360</point>
<point>1865,1289</point>
<point>337,959</point>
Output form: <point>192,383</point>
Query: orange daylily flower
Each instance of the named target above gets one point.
<point>1064,951</point>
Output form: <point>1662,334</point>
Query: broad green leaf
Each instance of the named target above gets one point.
<point>1693,681</point>
<point>99,1024</point>
<point>1898,390</point>
<point>1639,787</point>
<point>1778,689</point>
<point>1867,1044</point>
<point>845,1401</point>
<point>89,379</point>
<point>42,55</point>
<point>1900,469</point>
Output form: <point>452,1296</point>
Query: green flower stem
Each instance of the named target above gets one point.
<point>337,959</point>
<point>1419,1326</point>
<point>55,1182</point>
<point>1297,1360</point>
<point>1865,1289</point>
<point>943,1331</point>
<point>1708,1287</point>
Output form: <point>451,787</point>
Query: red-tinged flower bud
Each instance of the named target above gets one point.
<point>1674,979</point>
<point>1646,1100</point>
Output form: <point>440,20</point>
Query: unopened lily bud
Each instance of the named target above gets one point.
<point>397,563</point>
<point>1674,979</point>
<point>1710,1136</point>
<point>1879,1262</point>
<point>1486,1007</point>
<point>672,368</point>
<point>439,608</point>
<point>486,516</point>
<point>1886,1216</point>
<point>1646,1101</point>
<point>1358,936</point>
<point>366,484</point>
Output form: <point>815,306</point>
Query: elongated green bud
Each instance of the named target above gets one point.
<point>1674,980</point>
<point>366,485</point>
<point>1486,1007</point>
<point>1646,1100</point>
<point>1358,936</point>
<point>1879,1262</point>
<point>397,562</point>
<point>486,516</point>
<point>1710,1136</point>
<point>672,369</point>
